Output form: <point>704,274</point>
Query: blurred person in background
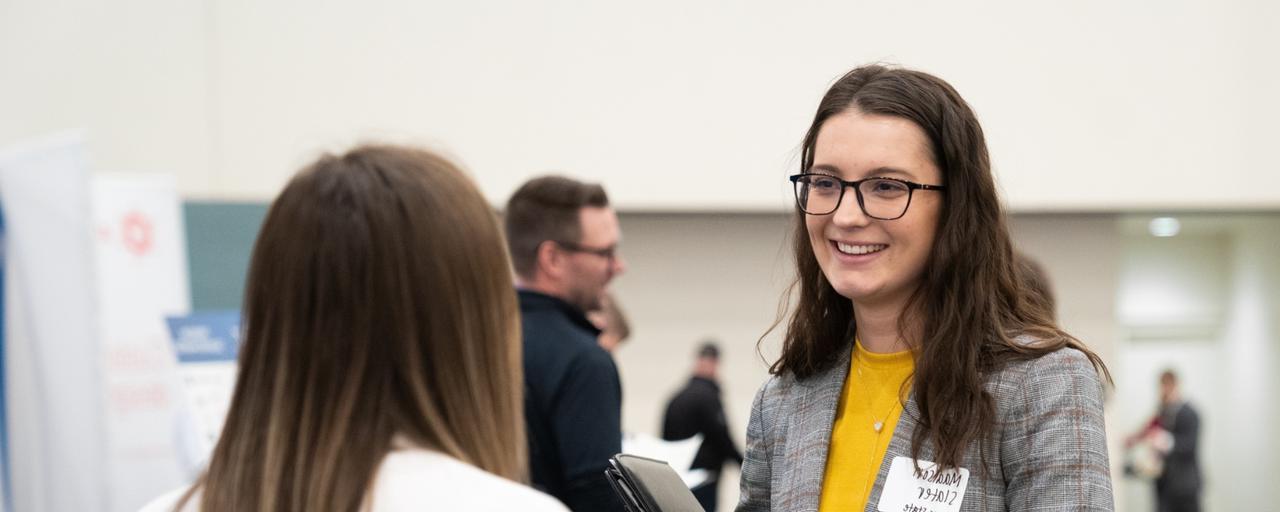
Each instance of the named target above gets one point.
<point>563,238</point>
<point>612,322</point>
<point>380,368</point>
<point>1036,284</point>
<point>914,357</point>
<point>697,409</point>
<point>1173,433</point>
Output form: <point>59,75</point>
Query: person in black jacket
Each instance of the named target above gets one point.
<point>1178,487</point>
<point>563,238</point>
<point>697,409</point>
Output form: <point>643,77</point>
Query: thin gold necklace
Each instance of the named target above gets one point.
<point>877,424</point>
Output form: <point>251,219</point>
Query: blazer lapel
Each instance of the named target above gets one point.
<point>809,433</point>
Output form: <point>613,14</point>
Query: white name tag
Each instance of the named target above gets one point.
<point>929,491</point>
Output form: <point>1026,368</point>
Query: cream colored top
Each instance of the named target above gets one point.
<point>418,479</point>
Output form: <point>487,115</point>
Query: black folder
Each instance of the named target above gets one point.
<point>648,485</point>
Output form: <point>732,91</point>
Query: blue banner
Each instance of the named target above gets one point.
<point>203,337</point>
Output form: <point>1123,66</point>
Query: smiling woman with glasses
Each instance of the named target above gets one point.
<point>918,371</point>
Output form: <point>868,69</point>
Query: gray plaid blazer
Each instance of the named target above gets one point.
<point>1049,450</point>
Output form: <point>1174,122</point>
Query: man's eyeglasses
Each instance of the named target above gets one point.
<point>880,198</point>
<point>608,253</point>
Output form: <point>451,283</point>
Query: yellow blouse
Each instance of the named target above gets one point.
<point>868,412</point>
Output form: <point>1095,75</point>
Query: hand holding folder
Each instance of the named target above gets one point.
<point>648,485</point>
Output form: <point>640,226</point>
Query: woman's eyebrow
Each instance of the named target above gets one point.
<point>883,170</point>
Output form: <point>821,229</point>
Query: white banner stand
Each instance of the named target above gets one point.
<point>57,439</point>
<point>92,267</point>
<point>141,262</point>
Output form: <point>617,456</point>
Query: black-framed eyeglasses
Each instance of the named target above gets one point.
<point>879,197</point>
<point>608,253</point>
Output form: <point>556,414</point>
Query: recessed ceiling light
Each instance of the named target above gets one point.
<point>1164,226</point>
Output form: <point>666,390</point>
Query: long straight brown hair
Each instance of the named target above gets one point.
<point>970,305</point>
<point>379,302</point>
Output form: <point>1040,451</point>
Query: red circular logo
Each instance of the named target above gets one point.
<point>138,233</point>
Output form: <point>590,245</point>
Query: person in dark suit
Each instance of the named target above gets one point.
<point>1179,484</point>
<point>563,237</point>
<point>697,409</point>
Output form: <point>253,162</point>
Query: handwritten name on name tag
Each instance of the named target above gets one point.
<point>929,490</point>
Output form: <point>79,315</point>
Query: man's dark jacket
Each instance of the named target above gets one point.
<point>697,409</point>
<point>573,404</point>
<point>1178,487</point>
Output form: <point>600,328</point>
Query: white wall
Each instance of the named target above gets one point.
<point>1247,463</point>
<point>676,106</point>
<point>132,74</point>
<point>1177,286</point>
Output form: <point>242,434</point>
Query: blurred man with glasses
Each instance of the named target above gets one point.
<point>563,238</point>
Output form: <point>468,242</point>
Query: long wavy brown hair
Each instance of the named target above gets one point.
<point>379,302</point>
<point>970,305</point>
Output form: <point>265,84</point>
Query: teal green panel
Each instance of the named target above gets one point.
<point>220,239</point>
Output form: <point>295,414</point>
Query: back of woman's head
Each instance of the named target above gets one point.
<point>379,302</point>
